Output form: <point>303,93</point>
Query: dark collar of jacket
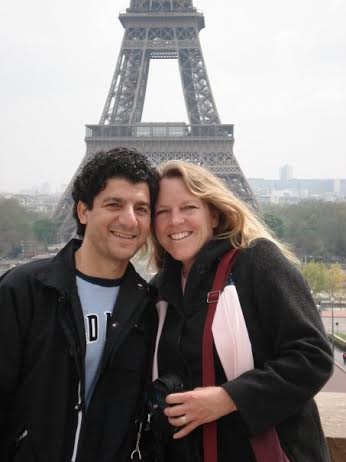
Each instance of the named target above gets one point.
<point>59,274</point>
<point>168,280</point>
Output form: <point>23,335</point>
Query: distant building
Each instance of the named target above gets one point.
<point>286,173</point>
<point>44,188</point>
<point>294,190</point>
<point>337,187</point>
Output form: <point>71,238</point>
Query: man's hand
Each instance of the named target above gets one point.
<point>197,407</point>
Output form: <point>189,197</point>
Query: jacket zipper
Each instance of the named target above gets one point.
<point>75,353</point>
<point>23,435</point>
<point>78,408</point>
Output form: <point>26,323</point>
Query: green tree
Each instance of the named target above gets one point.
<point>335,280</point>
<point>275,223</point>
<point>316,276</point>
<point>15,227</point>
<point>313,228</point>
<point>44,230</point>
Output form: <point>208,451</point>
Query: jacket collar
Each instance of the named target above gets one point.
<point>168,280</point>
<point>60,272</point>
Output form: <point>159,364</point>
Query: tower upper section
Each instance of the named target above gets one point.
<point>157,12</point>
<point>160,5</point>
<point>159,29</point>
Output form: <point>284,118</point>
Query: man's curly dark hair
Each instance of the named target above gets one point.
<point>124,163</point>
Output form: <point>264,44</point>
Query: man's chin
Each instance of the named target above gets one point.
<point>124,254</point>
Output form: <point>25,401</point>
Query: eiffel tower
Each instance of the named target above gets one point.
<point>161,29</point>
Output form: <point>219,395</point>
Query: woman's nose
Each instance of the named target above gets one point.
<point>177,218</point>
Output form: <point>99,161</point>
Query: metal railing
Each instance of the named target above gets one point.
<point>164,130</point>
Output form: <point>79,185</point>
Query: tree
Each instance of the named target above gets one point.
<point>44,230</point>
<point>275,223</point>
<point>15,227</point>
<point>335,280</point>
<point>313,228</point>
<point>316,276</point>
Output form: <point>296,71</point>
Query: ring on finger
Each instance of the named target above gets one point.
<point>184,420</point>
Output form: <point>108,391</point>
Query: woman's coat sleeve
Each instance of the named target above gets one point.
<point>282,314</point>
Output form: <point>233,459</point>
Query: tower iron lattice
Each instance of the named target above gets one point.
<point>161,29</point>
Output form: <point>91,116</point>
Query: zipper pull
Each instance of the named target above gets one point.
<point>136,453</point>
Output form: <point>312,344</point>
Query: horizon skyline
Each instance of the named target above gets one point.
<point>34,189</point>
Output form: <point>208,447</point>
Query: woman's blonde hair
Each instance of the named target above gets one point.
<point>237,222</point>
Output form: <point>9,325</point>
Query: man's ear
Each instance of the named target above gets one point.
<point>82,211</point>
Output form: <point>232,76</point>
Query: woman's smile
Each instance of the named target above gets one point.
<point>180,236</point>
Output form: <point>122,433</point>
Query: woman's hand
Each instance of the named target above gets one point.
<point>197,407</point>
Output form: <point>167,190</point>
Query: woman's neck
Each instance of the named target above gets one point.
<point>185,270</point>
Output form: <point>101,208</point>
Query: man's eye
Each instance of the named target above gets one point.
<point>112,205</point>
<point>143,210</point>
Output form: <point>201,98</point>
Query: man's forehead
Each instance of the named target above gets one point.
<point>123,189</point>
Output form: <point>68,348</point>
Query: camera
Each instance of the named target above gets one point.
<point>159,390</point>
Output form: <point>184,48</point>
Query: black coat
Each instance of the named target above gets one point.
<point>291,352</point>
<point>42,348</point>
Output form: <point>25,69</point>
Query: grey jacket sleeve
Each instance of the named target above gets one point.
<point>295,360</point>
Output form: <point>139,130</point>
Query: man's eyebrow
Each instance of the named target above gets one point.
<point>121,200</point>
<point>113,199</point>
<point>147,204</point>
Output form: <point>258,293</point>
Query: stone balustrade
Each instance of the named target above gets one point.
<point>332,408</point>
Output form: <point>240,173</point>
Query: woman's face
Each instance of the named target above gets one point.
<point>183,222</point>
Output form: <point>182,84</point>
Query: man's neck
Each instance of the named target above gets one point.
<point>96,266</point>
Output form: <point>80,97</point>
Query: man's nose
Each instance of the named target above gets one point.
<point>128,217</point>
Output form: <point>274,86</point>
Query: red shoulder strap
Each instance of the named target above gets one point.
<point>208,369</point>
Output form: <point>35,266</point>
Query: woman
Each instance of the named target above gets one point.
<point>197,221</point>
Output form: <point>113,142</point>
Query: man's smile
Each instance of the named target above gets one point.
<point>123,235</point>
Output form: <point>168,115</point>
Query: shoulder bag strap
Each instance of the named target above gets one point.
<point>208,369</point>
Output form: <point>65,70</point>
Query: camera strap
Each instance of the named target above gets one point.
<point>208,369</point>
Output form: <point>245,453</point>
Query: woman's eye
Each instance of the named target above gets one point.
<point>160,212</point>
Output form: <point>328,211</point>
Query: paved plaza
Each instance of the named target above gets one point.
<point>339,317</point>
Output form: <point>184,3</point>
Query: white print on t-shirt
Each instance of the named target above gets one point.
<point>92,326</point>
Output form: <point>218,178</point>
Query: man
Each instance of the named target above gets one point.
<point>76,330</point>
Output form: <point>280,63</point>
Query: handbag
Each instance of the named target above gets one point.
<point>266,446</point>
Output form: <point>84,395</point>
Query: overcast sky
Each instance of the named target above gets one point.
<point>277,70</point>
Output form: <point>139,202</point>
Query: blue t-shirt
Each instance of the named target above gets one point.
<point>97,297</point>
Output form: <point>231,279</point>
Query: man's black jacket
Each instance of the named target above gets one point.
<point>42,349</point>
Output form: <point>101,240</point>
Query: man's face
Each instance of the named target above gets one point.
<point>118,224</point>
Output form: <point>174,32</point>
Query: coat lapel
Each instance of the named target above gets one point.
<point>161,307</point>
<point>131,300</point>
